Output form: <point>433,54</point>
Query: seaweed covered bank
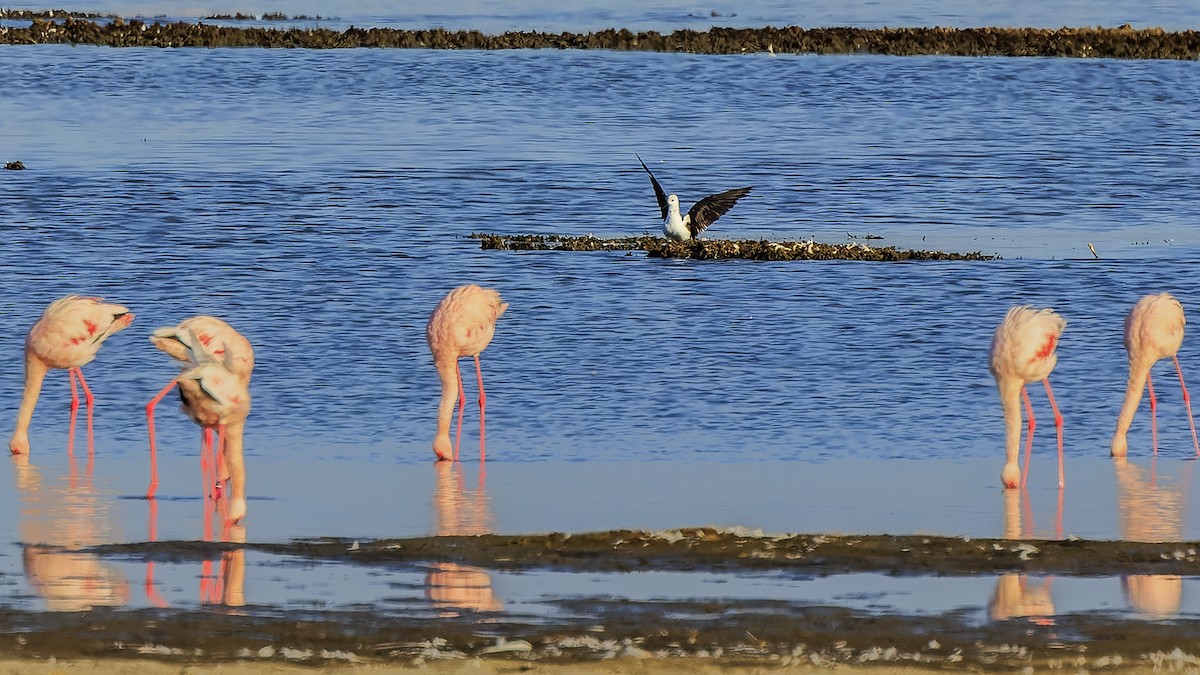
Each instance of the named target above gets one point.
<point>1124,42</point>
<point>717,249</point>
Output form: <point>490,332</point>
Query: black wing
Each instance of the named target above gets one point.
<point>706,211</point>
<point>658,191</point>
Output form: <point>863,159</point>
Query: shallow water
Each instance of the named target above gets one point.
<point>319,200</point>
<point>60,511</point>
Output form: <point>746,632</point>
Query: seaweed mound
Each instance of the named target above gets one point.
<point>1123,42</point>
<point>716,249</point>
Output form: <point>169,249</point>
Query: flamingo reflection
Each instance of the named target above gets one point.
<point>1019,595</point>
<point>458,511</point>
<point>56,521</point>
<point>226,585</point>
<point>222,581</point>
<point>1150,512</point>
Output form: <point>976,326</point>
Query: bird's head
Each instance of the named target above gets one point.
<point>673,201</point>
<point>1011,476</point>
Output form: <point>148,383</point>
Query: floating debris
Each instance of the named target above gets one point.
<point>14,166</point>
<point>1123,42</point>
<point>716,249</point>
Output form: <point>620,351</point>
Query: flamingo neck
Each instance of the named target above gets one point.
<point>35,375</point>
<point>1139,372</point>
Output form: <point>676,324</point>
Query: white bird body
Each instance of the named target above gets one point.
<point>674,225</point>
<point>1153,331</point>
<point>682,227</point>
<point>1024,350</point>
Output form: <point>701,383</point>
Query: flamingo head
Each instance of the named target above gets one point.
<point>1011,476</point>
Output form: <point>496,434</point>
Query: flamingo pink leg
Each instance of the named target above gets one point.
<point>1058,518</point>
<point>214,478</point>
<point>1032,424</point>
<point>482,406</point>
<point>1153,413</point>
<point>90,400</point>
<point>74,414</point>
<point>207,461</point>
<point>221,471</point>
<point>150,426</point>
<point>461,404</point>
<point>1187,401</point>
<point>219,452</point>
<point>1058,427</point>
<point>208,520</point>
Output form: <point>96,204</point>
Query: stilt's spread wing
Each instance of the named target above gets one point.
<point>658,191</point>
<point>706,211</point>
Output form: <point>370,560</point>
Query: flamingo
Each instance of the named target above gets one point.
<point>1153,331</point>
<point>1023,351</point>
<point>702,214</point>
<point>67,336</point>
<point>218,339</point>
<point>462,324</point>
<point>214,393</point>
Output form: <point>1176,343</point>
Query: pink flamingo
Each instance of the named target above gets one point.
<point>215,394</point>
<point>67,336</point>
<point>1023,350</point>
<point>1153,331</point>
<point>462,324</point>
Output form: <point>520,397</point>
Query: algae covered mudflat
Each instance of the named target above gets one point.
<point>61,27</point>
<point>661,630</point>
<point>718,249</point>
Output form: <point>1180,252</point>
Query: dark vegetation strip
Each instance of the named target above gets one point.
<point>716,249</point>
<point>705,549</point>
<point>1123,42</point>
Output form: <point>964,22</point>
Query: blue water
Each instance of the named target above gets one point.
<point>320,201</point>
